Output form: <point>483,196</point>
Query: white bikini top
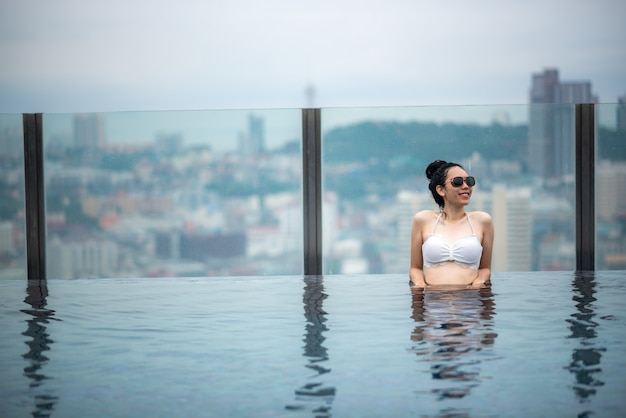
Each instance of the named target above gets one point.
<point>465,252</point>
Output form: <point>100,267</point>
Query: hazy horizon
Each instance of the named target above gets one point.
<point>71,56</point>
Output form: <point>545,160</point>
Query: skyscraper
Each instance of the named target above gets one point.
<point>621,114</point>
<point>408,204</point>
<point>89,131</point>
<point>253,141</point>
<point>551,130</point>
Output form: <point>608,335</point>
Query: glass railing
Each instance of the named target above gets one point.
<point>12,199</point>
<point>610,189</point>
<point>374,163</point>
<point>220,193</point>
<point>169,194</point>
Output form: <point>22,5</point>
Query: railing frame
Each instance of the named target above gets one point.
<point>585,187</point>
<point>34,196</point>
<point>312,191</point>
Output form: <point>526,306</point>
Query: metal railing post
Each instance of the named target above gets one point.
<point>585,187</point>
<point>34,197</point>
<point>312,194</point>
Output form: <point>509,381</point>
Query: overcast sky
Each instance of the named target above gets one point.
<point>76,55</point>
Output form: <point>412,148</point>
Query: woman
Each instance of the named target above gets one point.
<point>451,246</point>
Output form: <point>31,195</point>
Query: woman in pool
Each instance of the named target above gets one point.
<point>451,246</point>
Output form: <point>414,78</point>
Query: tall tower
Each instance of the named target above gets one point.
<point>89,131</point>
<point>551,130</point>
<point>408,204</point>
<point>511,212</point>
<point>541,121</point>
<point>253,141</point>
<point>621,114</point>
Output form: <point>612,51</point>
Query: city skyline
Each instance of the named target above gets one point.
<point>221,129</point>
<point>71,56</point>
<point>118,201</point>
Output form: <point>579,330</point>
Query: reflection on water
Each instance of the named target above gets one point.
<point>314,394</point>
<point>454,331</point>
<point>40,342</point>
<point>585,363</point>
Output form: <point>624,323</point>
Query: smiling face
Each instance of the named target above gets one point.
<point>455,195</point>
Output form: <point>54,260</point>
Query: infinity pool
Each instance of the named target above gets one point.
<point>535,344</point>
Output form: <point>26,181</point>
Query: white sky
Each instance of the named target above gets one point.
<point>118,55</point>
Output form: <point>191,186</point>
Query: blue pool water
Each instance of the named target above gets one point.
<point>535,344</point>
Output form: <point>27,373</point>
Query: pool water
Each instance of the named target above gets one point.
<point>534,344</point>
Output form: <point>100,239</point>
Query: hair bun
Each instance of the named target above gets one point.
<point>433,167</point>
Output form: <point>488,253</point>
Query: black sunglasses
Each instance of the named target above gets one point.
<point>458,181</point>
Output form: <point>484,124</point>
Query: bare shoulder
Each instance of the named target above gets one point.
<point>420,221</point>
<point>481,217</point>
<point>424,216</point>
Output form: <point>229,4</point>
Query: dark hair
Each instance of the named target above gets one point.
<point>437,172</point>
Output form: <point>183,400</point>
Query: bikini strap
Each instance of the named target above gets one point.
<point>436,223</point>
<point>470,223</point>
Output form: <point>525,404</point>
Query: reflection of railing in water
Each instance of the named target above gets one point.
<point>314,393</point>
<point>41,341</point>
<point>586,358</point>
<point>454,327</point>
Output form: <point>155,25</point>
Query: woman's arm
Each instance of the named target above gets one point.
<point>416,272</point>
<point>484,269</point>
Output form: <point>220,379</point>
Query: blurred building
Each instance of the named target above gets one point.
<point>199,246</point>
<point>253,141</point>
<point>408,204</point>
<point>621,114</point>
<point>6,237</point>
<point>11,142</point>
<point>611,216</point>
<point>551,127</point>
<point>81,259</point>
<point>89,131</point>
<point>610,203</point>
<point>168,144</point>
<point>513,227</point>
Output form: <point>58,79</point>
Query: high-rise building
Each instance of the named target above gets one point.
<point>621,114</point>
<point>11,142</point>
<point>82,259</point>
<point>551,130</point>
<point>253,141</point>
<point>6,237</point>
<point>408,204</point>
<point>89,131</point>
<point>610,204</point>
<point>168,144</point>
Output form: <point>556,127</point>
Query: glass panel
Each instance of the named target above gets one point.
<point>153,194</point>
<point>12,200</point>
<point>610,191</point>
<point>374,161</point>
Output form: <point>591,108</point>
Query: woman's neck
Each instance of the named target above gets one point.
<point>454,215</point>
